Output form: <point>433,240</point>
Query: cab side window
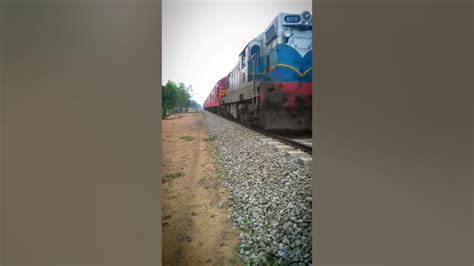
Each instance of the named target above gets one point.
<point>242,59</point>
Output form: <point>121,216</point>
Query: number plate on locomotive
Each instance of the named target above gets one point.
<point>292,19</point>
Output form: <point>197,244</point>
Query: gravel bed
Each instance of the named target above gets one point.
<point>270,199</point>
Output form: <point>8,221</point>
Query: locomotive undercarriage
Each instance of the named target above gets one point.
<point>269,113</point>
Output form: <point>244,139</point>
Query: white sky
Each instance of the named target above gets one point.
<point>202,38</point>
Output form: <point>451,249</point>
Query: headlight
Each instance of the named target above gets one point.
<point>306,14</point>
<point>287,33</point>
<point>306,22</point>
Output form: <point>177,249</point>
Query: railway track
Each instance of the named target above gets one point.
<point>300,141</point>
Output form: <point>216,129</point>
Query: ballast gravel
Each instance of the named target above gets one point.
<point>270,194</point>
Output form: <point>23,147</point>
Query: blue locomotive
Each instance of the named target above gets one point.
<point>271,86</point>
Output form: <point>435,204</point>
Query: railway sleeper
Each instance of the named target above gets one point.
<point>296,154</point>
<point>283,148</point>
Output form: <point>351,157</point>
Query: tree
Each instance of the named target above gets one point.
<point>183,96</point>
<point>175,97</point>
<point>194,105</point>
<point>168,96</point>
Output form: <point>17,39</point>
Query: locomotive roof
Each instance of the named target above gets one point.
<point>260,37</point>
<point>284,14</point>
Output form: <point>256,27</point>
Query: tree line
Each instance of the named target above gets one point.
<point>176,97</point>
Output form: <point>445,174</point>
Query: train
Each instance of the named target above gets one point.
<point>271,85</point>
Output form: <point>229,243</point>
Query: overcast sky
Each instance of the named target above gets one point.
<point>202,39</point>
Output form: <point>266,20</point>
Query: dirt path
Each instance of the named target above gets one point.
<point>197,229</point>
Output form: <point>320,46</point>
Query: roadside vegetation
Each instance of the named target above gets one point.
<point>187,138</point>
<point>176,97</point>
<point>171,176</point>
<point>211,137</point>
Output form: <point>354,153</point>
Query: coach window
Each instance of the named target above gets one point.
<point>242,59</point>
<point>255,49</point>
<point>270,34</point>
<point>253,64</point>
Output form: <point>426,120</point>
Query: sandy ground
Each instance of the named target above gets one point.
<point>197,229</point>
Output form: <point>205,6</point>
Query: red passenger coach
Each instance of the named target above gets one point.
<point>213,101</point>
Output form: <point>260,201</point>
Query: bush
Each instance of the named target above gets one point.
<point>187,138</point>
<point>171,176</point>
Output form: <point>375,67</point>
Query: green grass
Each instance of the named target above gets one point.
<point>187,138</point>
<point>171,176</point>
<point>220,175</point>
<point>215,154</point>
<point>211,137</point>
<point>237,247</point>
